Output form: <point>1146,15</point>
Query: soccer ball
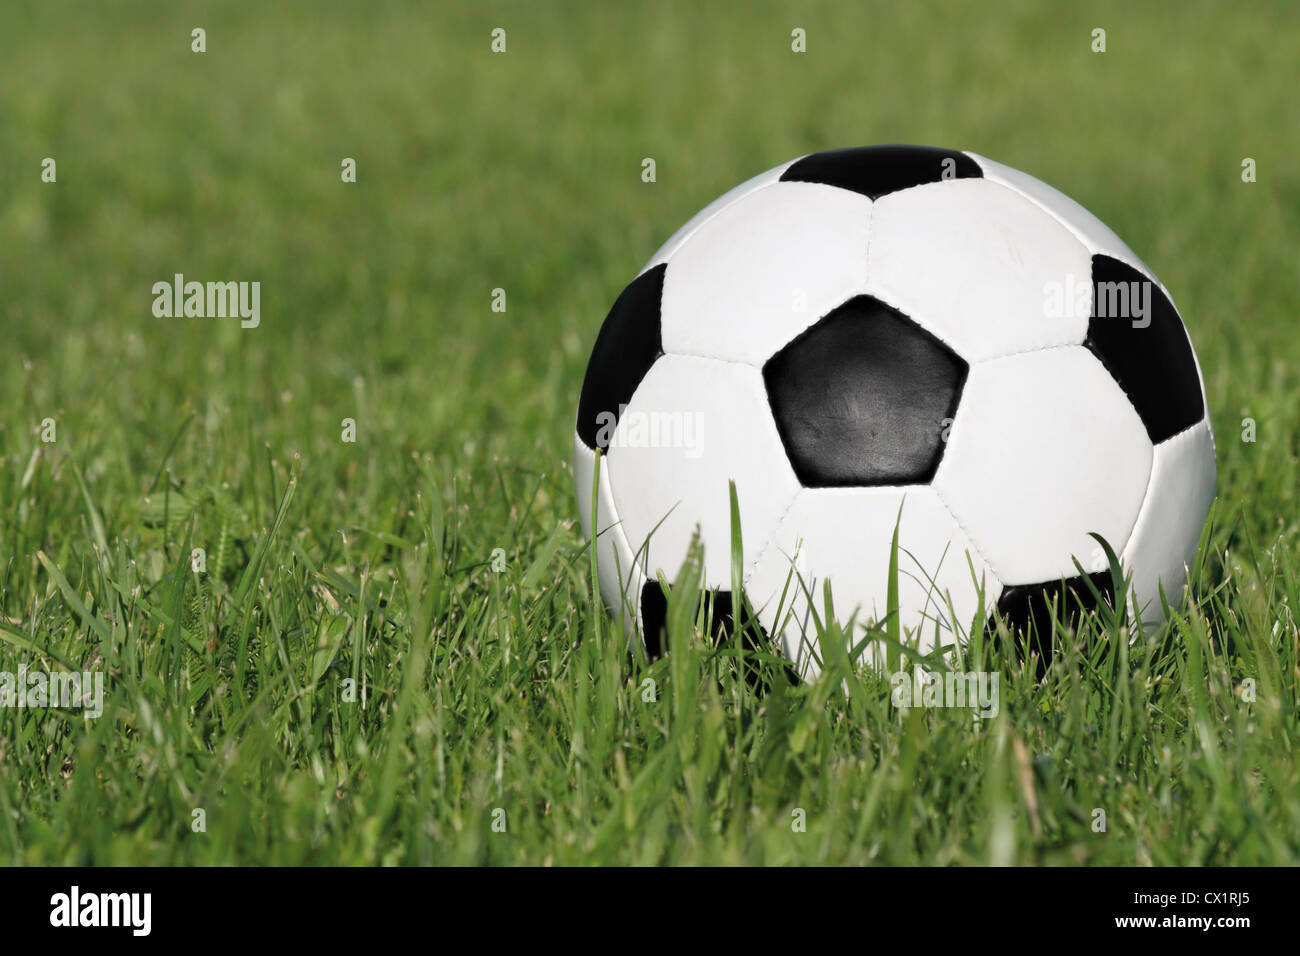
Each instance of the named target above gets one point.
<point>894,337</point>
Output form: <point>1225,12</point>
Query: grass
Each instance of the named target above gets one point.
<point>372,562</point>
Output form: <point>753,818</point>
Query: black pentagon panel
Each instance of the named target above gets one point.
<point>1136,333</point>
<point>720,612</point>
<point>654,618</point>
<point>1027,610</point>
<point>876,171</point>
<point>628,344</point>
<point>863,397</point>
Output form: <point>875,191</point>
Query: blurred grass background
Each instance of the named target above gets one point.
<point>521,171</point>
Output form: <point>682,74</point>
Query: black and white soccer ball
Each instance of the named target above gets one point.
<point>894,335</point>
